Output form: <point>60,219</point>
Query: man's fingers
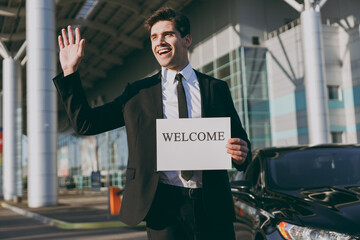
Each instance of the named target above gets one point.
<point>71,35</point>
<point>64,37</point>
<point>237,153</point>
<point>61,44</point>
<point>237,141</point>
<point>237,147</point>
<point>238,159</point>
<point>77,35</point>
<point>81,48</point>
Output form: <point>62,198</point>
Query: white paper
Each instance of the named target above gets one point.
<point>192,144</point>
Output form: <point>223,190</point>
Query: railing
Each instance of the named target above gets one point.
<point>282,29</point>
<point>347,23</point>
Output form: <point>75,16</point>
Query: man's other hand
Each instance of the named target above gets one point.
<point>238,150</point>
<point>71,50</point>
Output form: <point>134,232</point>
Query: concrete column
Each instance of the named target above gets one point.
<point>11,70</point>
<point>41,102</point>
<point>244,91</point>
<point>315,83</point>
<point>19,131</point>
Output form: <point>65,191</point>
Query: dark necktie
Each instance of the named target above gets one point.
<point>183,113</point>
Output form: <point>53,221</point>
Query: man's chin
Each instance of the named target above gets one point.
<point>163,61</point>
<point>168,65</point>
<point>165,64</point>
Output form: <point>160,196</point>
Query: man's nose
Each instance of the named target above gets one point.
<point>161,39</point>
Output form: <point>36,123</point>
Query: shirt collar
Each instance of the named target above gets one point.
<point>169,75</point>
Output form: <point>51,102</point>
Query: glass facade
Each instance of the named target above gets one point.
<point>244,70</point>
<point>79,157</point>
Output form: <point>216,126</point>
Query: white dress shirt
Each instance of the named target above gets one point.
<point>171,111</point>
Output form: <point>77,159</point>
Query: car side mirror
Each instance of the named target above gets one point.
<point>240,186</point>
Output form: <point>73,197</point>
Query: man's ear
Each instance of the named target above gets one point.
<point>188,40</point>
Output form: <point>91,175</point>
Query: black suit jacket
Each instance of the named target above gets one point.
<point>138,108</point>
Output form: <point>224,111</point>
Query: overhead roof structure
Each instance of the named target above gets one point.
<point>12,29</point>
<point>112,29</point>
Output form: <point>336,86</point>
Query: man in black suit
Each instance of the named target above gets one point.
<point>175,204</point>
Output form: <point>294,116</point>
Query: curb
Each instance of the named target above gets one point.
<point>68,225</point>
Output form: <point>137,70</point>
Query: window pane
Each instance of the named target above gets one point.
<point>333,92</point>
<point>208,68</point>
<point>222,60</point>
<point>336,137</point>
<point>223,72</point>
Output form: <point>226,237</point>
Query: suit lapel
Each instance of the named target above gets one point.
<point>204,92</point>
<point>157,95</point>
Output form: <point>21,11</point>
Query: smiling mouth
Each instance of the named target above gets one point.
<point>164,51</point>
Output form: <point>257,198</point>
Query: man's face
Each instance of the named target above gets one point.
<point>169,48</point>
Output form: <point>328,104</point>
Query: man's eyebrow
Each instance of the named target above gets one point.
<point>166,32</point>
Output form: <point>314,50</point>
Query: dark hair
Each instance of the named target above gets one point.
<point>181,22</point>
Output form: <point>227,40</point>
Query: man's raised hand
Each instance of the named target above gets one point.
<point>71,50</point>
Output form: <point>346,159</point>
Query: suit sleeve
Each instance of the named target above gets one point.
<point>237,130</point>
<point>84,119</point>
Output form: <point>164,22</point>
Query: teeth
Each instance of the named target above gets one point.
<point>164,51</point>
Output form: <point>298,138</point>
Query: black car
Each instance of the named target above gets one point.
<point>299,192</point>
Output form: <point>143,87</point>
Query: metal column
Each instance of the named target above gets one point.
<point>11,79</point>
<point>41,102</point>
<point>315,83</point>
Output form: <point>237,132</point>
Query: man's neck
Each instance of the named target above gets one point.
<point>177,70</point>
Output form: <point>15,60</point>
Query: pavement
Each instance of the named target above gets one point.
<point>79,215</point>
<point>76,210</point>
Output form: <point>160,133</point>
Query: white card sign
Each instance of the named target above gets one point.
<point>192,144</point>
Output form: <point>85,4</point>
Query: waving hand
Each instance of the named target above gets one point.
<point>71,50</point>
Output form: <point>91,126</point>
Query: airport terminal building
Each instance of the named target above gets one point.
<point>260,48</point>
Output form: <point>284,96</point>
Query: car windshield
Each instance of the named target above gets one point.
<point>315,167</point>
